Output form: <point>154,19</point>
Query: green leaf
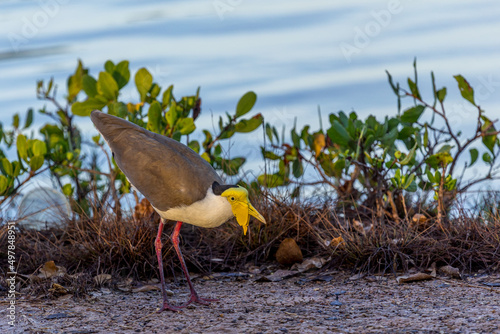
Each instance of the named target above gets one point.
<point>269,155</point>
<point>333,169</point>
<point>465,89</point>
<point>394,88</point>
<point>228,132</point>
<point>338,134</point>
<point>75,83</point>
<point>474,153</point>
<point>167,96</point>
<point>409,181</point>
<point>89,85</point>
<point>271,180</point>
<point>249,125</point>
<point>3,184</point>
<point>67,190</point>
<point>109,66</point>
<point>29,118</point>
<point>275,133</point>
<point>445,148</point>
<point>154,91</point>
<point>7,167</point>
<point>15,121</point>
<point>36,162</point>
<point>269,132</point>
<point>22,148</point>
<point>413,187</point>
<point>488,127</point>
<point>194,145</point>
<point>370,139</point>
<point>295,138</point>
<point>107,86</point>
<point>121,73</point>
<point>439,159</point>
<point>487,157</point>
<point>143,82</point>
<point>232,167</point>
<point>39,148</point>
<point>414,89</point>
<point>407,133</point>
<point>185,126</point>
<point>118,109</point>
<point>85,108</point>
<point>412,114</point>
<point>441,94</point>
<point>246,103</point>
<point>16,166</point>
<point>451,184</point>
<point>208,139</point>
<point>172,114</point>
<point>426,136</point>
<point>297,168</point>
<point>206,157</point>
<point>96,139</point>
<point>154,117</point>
<point>431,177</point>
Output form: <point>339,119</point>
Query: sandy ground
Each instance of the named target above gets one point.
<point>313,303</point>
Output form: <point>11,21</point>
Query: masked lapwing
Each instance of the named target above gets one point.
<point>180,185</point>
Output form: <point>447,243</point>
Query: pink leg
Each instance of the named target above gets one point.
<point>194,295</point>
<point>158,246</point>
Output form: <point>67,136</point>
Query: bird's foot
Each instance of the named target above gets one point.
<point>167,306</point>
<point>203,301</point>
<point>199,300</point>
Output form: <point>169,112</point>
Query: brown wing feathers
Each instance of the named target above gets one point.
<point>166,172</point>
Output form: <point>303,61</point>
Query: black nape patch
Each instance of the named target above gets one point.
<point>219,189</point>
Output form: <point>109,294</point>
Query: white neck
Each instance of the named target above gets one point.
<point>212,211</point>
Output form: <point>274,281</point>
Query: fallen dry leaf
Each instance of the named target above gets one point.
<point>357,277</point>
<point>414,278</point>
<point>50,269</point>
<point>419,222</point>
<point>146,288</point>
<point>102,278</point>
<point>308,264</point>
<point>338,241</point>
<point>450,271</point>
<point>278,275</point>
<point>433,269</point>
<point>419,219</point>
<point>58,289</point>
<point>358,227</point>
<point>129,285</point>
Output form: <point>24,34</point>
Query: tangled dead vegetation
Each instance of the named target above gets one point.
<point>125,248</point>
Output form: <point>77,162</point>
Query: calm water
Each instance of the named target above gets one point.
<point>295,55</point>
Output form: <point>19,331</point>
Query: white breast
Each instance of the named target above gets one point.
<point>212,211</point>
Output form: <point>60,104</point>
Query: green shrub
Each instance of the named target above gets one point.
<point>59,149</point>
<point>371,163</point>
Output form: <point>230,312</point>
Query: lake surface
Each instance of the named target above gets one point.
<point>295,55</point>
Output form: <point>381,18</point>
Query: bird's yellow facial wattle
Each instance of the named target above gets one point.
<point>242,209</point>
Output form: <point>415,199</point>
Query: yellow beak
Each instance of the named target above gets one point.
<point>241,207</point>
<point>242,212</point>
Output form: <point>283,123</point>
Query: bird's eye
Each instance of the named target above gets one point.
<point>232,198</point>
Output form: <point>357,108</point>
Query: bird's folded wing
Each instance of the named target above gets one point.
<point>165,171</point>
